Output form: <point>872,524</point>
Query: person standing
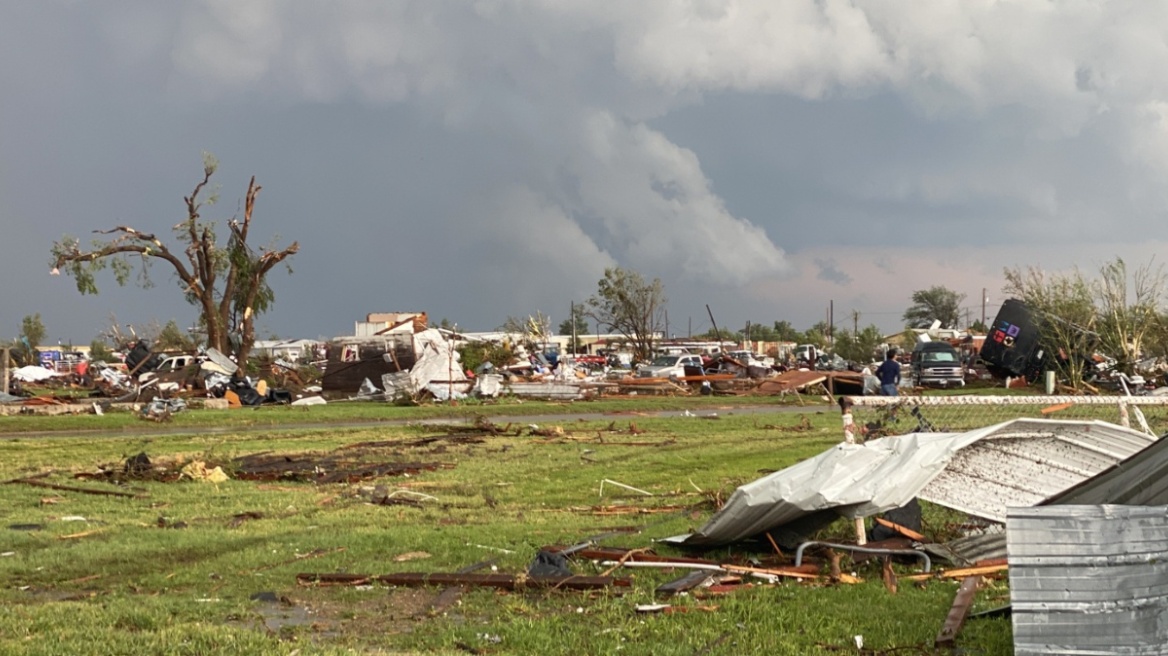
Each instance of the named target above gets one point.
<point>889,374</point>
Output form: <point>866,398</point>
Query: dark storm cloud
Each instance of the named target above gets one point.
<point>829,271</point>
<point>479,160</point>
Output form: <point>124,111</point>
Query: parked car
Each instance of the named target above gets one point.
<point>669,366</point>
<point>937,363</point>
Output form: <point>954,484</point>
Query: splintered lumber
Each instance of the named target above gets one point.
<point>974,571</point>
<point>70,488</point>
<point>903,530</point>
<point>958,612</point>
<point>501,581</point>
<point>981,570</point>
<point>800,572</point>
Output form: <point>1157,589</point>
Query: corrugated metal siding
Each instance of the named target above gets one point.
<point>1089,579</point>
<point>1027,462</point>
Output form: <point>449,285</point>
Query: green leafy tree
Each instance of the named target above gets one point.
<point>816,334</point>
<point>858,347</point>
<point>628,304</point>
<point>99,351</point>
<point>475,354</point>
<point>173,338</point>
<point>935,303</point>
<point>23,348</point>
<point>227,282</point>
<point>785,332</point>
<point>576,324</point>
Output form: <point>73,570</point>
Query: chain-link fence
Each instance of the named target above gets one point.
<point>895,415</point>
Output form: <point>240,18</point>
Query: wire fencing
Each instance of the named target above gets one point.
<point>895,415</point>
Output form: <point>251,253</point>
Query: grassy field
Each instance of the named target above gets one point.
<point>173,568</point>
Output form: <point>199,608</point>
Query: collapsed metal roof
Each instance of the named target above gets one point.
<point>1089,579</point>
<point>1016,463</point>
<point>1141,480</point>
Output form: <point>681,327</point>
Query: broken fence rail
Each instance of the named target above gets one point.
<point>501,581</point>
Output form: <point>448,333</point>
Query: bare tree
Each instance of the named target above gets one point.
<point>1128,313</point>
<point>227,282</point>
<point>627,304</point>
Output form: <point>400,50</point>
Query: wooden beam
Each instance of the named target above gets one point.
<point>70,488</point>
<point>903,530</point>
<point>973,571</point>
<point>958,612</point>
<point>502,581</point>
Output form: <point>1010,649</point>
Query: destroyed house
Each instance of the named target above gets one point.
<point>382,344</point>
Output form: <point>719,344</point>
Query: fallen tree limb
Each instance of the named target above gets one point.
<point>70,488</point>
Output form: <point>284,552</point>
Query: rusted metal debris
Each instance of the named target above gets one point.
<point>500,581</point>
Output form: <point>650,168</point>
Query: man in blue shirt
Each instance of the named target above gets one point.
<point>889,374</point>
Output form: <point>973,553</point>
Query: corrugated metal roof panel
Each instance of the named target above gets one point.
<point>1140,480</point>
<point>1028,461</point>
<point>981,472</point>
<point>1089,579</point>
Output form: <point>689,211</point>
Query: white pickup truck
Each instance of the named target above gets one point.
<point>669,366</point>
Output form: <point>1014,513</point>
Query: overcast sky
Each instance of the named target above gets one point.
<point>476,160</point>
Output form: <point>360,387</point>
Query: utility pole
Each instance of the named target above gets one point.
<point>855,323</point>
<point>831,324</point>
<point>667,325</point>
<point>572,316</point>
<point>983,304</point>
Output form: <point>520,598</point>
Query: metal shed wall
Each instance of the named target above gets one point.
<point>1089,579</point>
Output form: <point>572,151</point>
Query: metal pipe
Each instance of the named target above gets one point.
<point>868,550</point>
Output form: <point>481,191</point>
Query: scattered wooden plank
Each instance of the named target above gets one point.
<point>82,534</point>
<point>501,581</point>
<point>888,575</point>
<point>70,488</point>
<point>958,612</point>
<point>903,530</point>
<point>801,572</point>
<point>973,571</point>
<point>1055,408</point>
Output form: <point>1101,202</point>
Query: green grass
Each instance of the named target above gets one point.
<point>377,411</point>
<point>135,586</point>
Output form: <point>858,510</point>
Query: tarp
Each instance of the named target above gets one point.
<point>33,374</point>
<point>1034,458</point>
